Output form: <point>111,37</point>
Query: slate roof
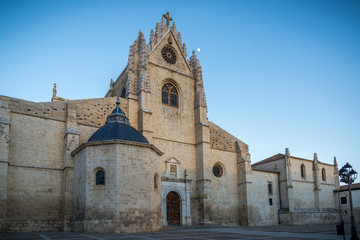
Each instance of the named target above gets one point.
<point>117,127</point>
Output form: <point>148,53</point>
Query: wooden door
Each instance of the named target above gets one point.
<point>173,208</point>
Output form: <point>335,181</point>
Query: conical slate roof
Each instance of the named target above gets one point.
<point>117,127</point>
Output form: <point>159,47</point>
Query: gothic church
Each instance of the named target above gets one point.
<point>146,156</point>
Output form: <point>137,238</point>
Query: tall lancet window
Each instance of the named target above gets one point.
<point>323,174</point>
<point>302,171</point>
<point>169,95</point>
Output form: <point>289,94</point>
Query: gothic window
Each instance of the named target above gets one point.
<point>156,181</point>
<point>302,170</point>
<point>169,95</point>
<point>123,93</point>
<point>270,188</point>
<point>217,170</point>
<point>323,174</point>
<point>100,177</point>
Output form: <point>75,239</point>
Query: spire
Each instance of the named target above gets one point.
<point>162,28</point>
<point>54,91</point>
<point>152,39</point>
<point>184,50</point>
<point>117,114</point>
<point>111,84</point>
<point>315,158</point>
<point>316,162</point>
<point>138,66</point>
<point>287,152</point>
<point>287,157</point>
<point>335,162</point>
<point>175,31</point>
<point>200,99</point>
<point>179,38</point>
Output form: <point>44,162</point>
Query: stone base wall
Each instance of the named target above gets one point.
<point>304,218</point>
<point>30,225</point>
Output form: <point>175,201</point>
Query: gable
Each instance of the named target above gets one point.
<point>156,57</point>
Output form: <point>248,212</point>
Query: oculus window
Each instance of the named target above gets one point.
<point>218,170</point>
<point>169,54</point>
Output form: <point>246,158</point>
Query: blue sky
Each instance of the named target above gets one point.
<point>277,74</point>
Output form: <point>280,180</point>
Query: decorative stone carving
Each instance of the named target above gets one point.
<point>163,28</point>
<point>54,91</point>
<point>200,99</point>
<point>4,134</point>
<point>287,157</point>
<point>138,74</point>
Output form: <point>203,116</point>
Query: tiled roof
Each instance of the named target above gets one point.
<point>354,186</point>
<point>270,159</point>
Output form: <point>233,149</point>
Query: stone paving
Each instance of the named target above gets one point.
<point>194,232</point>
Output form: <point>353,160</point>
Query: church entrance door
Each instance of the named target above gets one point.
<point>173,208</point>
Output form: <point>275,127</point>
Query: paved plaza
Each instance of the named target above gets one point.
<point>269,232</point>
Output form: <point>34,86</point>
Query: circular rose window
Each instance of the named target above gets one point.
<point>217,170</point>
<point>169,54</point>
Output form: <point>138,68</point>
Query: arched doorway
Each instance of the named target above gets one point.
<point>173,208</point>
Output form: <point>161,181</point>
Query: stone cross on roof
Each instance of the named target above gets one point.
<point>168,18</point>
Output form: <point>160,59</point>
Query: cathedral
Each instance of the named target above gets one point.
<point>146,156</point>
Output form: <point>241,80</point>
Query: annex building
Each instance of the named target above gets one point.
<point>148,159</point>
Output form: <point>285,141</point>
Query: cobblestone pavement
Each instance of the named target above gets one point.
<point>194,232</point>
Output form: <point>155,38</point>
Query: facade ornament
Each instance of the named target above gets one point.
<point>184,50</point>
<point>138,74</point>
<point>157,33</point>
<point>111,84</point>
<point>200,99</point>
<point>316,162</point>
<point>179,38</point>
<point>170,39</point>
<point>336,170</point>
<point>152,39</point>
<point>287,157</point>
<point>54,91</point>
<point>4,134</point>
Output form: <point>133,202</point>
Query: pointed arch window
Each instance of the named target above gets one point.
<point>323,174</point>
<point>302,171</point>
<point>123,93</point>
<point>169,95</point>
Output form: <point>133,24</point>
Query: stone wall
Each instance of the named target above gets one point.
<point>345,207</point>
<point>262,211</point>
<point>224,192</point>
<point>33,170</point>
<point>128,202</point>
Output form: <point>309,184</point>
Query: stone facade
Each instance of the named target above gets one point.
<point>47,166</point>
<point>306,187</point>
<point>344,200</point>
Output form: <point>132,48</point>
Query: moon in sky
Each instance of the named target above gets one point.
<point>198,49</point>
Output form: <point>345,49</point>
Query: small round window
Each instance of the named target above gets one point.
<point>218,170</point>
